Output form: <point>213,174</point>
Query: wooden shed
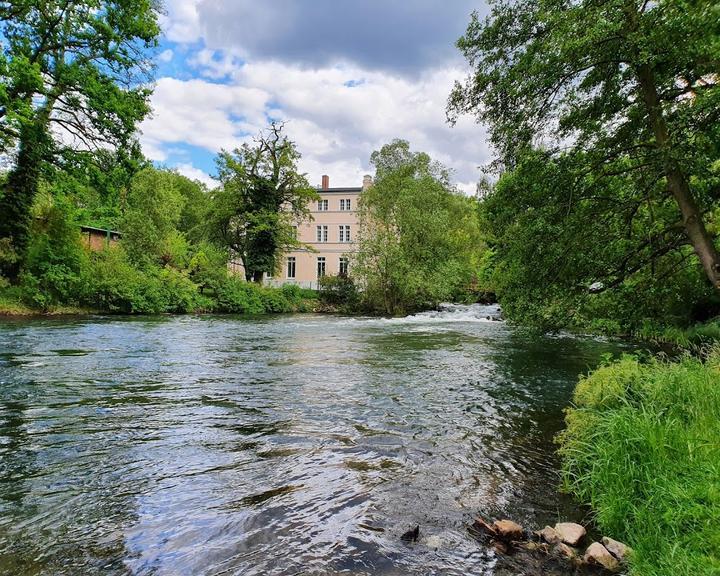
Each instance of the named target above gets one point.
<point>97,239</point>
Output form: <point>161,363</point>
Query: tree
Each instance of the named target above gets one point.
<point>73,75</point>
<point>608,89</point>
<point>419,240</point>
<point>261,199</point>
<point>155,206</point>
<point>609,254</point>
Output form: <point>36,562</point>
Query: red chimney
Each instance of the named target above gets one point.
<point>325,182</point>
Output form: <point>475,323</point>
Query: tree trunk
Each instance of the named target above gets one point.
<point>677,182</point>
<point>20,190</point>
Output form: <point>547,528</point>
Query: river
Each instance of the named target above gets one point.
<point>299,444</point>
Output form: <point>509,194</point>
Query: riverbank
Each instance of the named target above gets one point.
<point>642,448</point>
<point>232,297</point>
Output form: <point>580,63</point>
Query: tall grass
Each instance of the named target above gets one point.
<point>642,447</point>
<point>694,336</point>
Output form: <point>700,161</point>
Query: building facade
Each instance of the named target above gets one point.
<point>331,233</point>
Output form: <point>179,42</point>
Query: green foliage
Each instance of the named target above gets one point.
<point>54,257</point>
<point>419,241</point>
<point>150,222</point>
<point>262,198</point>
<point>339,291</point>
<point>79,69</point>
<point>624,192</point>
<point>641,447</point>
<point>240,297</point>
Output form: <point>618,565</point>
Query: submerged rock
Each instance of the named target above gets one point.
<point>617,549</point>
<point>411,535</point>
<point>570,533</point>
<point>549,535</point>
<point>596,553</point>
<point>565,551</point>
<point>508,530</point>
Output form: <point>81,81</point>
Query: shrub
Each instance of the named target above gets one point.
<point>338,291</point>
<point>239,297</point>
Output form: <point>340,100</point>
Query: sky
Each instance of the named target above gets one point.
<point>345,76</point>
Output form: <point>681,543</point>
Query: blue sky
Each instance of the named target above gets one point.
<point>346,77</point>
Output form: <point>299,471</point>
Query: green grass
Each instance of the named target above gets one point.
<point>695,336</point>
<point>642,448</point>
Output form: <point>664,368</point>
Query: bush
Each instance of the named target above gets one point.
<point>236,296</point>
<point>54,259</point>
<point>338,291</point>
<point>642,447</point>
<point>113,284</point>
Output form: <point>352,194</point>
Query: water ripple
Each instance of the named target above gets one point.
<point>292,445</point>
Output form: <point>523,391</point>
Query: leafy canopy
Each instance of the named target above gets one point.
<point>419,241</point>
<point>262,197</point>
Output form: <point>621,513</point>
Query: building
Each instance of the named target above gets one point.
<point>331,233</point>
<point>97,239</point>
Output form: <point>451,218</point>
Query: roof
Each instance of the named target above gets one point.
<point>339,190</point>
<point>101,230</point>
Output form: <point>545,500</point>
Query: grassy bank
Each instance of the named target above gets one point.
<point>642,448</point>
<point>149,297</point>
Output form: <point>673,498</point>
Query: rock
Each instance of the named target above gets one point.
<point>597,554</point>
<point>508,530</point>
<point>500,547</point>
<point>537,548</point>
<point>550,535</point>
<point>617,549</point>
<point>570,533</point>
<point>565,551</point>
<point>484,527</point>
<point>411,535</point>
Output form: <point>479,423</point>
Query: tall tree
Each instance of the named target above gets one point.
<point>418,242</point>
<point>73,75</point>
<point>625,87</point>
<point>261,198</point>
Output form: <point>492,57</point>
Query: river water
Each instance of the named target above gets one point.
<point>297,444</point>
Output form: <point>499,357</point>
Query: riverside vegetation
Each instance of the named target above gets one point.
<point>603,217</point>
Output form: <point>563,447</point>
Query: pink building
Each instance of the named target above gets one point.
<point>331,233</point>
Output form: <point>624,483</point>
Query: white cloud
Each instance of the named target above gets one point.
<point>181,23</point>
<point>187,169</point>
<point>166,55</point>
<point>335,126</point>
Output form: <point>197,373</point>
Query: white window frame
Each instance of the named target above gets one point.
<point>345,204</point>
<point>322,205</point>
<point>291,260</point>
<point>323,261</point>
<point>321,233</point>
<point>344,261</point>
<point>344,234</point>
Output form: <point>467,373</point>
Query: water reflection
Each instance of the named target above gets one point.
<point>299,444</point>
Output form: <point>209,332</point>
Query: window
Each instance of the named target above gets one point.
<point>322,233</point>
<point>345,204</point>
<point>291,267</point>
<point>343,266</point>
<point>322,205</point>
<point>293,233</point>
<point>345,233</point>
<point>321,266</point>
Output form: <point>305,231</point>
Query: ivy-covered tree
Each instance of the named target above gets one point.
<point>261,198</point>
<point>73,76</point>
<point>625,88</point>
